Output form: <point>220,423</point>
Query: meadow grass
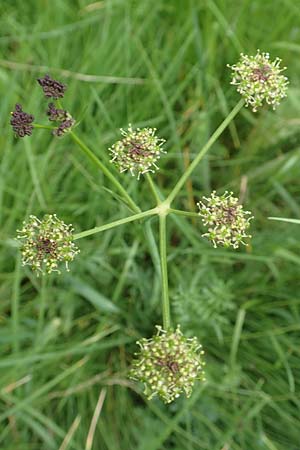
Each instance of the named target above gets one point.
<point>67,341</point>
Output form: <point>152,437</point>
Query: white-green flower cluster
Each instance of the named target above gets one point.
<point>226,220</point>
<point>259,80</point>
<point>168,364</point>
<point>138,151</point>
<point>46,243</point>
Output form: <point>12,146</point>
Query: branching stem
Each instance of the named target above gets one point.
<point>116,223</point>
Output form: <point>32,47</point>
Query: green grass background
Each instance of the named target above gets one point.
<point>66,339</point>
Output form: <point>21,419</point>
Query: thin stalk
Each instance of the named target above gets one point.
<point>153,188</point>
<point>46,127</point>
<point>114,224</point>
<point>105,170</point>
<point>284,219</point>
<point>179,212</point>
<point>16,305</point>
<point>42,310</point>
<point>164,272</point>
<point>204,150</point>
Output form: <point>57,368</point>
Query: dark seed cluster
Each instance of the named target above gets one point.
<point>56,115</point>
<point>64,127</point>
<point>52,88</point>
<point>61,116</point>
<point>21,122</point>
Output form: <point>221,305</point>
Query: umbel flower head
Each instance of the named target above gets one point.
<point>226,220</point>
<point>46,243</point>
<point>259,80</point>
<point>138,151</point>
<point>21,121</point>
<point>168,364</point>
<point>62,116</point>
<point>52,88</point>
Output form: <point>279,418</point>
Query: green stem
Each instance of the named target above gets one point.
<point>42,310</point>
<point>114,224</point>
<point>16,305</point>
<point>283,219</point>
<point>179,212</point>
<point>204,150</point>
<point>45,127</point>
<point>105,170</point>
<point>164,272</point>
<point>153,188</point>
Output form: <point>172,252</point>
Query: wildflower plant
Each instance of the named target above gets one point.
<point>138,151</point>
<point>169,363</point>
<point>259,80</point>
<point>46,243</point>
<point>226,220</point>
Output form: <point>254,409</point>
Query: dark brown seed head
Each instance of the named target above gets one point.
<point>52,88</point>
<point>56,115</point>
<point>21,121</point>
<point>64,127</point>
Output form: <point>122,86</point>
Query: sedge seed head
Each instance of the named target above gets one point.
<point>52,88</point>
<point>168,364</point>
<point>259,80</point>
<point>64,127</point>
<point>62,117</point>
<point>225,218</point>
<point>46,243</point>
<point>138,151</point>
<point>21,121</point>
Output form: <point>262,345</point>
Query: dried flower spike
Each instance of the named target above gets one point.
<point>227,221</point>
<point>52,88</point>
<point>46,243</point>
<point>258,79</point>
<point>168,364</point>
<point>138,151</point>
<point>21,122</point>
